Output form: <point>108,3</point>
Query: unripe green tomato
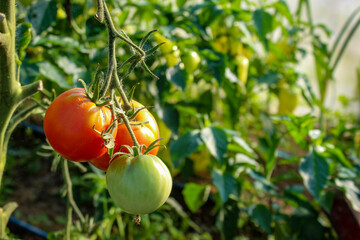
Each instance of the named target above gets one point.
<point>165,48</point>
<point>173,57</point>
<point>140,184</point>
<point>288,99</point>
<point>191,61</point>
<point>242,63</point>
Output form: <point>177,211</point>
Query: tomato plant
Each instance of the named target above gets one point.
<point>70,123</point>
<point>146,131</point>
<point>139,184</point>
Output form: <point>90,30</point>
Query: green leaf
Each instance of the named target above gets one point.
<point>282,7</point>
<point>338,155</point>
<point>228,219</point>
<point>42,15</point>
<point>52,73</point>
<point>261,183</point>
<point>52,40</point>
<point>326,200</point>
<point>195,195</point>
<point>271,78</point>
<point>315,173</point>
<point>241,142</point>
<point>177,76</point>
<point>241,159</point>
<point>22,38</point>
<point>216,141</point>
<point>294,195</point>
<point>225,183</point>
<point>352,192</point>
<point>180,3</point>
<point>263,24</point>
<point>261,215</point>
<point>170,116</point>
<point>299,127</point>
<point>67,65</point>
<point>184,146</point>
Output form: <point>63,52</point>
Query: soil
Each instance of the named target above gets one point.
<point>29,182</point>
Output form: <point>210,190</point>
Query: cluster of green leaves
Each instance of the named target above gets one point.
<point>266,174</point>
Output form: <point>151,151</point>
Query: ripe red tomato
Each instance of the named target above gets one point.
<point>144,133</point>
<point>69,123</point>
<point>140,184</point>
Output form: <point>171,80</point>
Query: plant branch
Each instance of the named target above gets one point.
<point>31,89</point>
<point>70,193</point>
<point>16,120</point>
<point>128,126</point>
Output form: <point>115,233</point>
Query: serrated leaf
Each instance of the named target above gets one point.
<point>52,73</point>
<point>184,146</point>
<point>225,183</point>
<point>315,172</point>
<point>262,216</point>
<point>195,195</point>
<point>42,15</point>
<point>216,141</point>
<point>22,38</point>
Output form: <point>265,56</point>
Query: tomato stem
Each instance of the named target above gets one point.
<point>70,197</point>
<point>112,80</point>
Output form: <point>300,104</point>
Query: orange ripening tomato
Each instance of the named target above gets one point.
<point>69,125</point>
<point>145,134</point>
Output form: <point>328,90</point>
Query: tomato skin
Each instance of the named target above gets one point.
<point>145,135</point>
<point>69,123</point>
<point>168,45</point>
<point>191,61</point>
<point>172,58</point>
<point>140,184</point>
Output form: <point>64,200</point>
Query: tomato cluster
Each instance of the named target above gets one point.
<point>78,130</point>
<point>146,131</point>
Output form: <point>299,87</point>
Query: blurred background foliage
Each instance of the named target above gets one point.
<point>253,149</point>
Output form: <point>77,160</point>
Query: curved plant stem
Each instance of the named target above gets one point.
<point>67,235</point>
<point>12,94</point>
<point>70,193</point>
<point>112,80</point>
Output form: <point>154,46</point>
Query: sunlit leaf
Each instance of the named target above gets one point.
<point>315,173</point>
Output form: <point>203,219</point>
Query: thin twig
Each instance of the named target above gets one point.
<point>70,192</point>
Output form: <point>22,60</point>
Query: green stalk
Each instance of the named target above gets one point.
<point>11,93</point>
<point>71,200</point>
<point>112,79</point>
